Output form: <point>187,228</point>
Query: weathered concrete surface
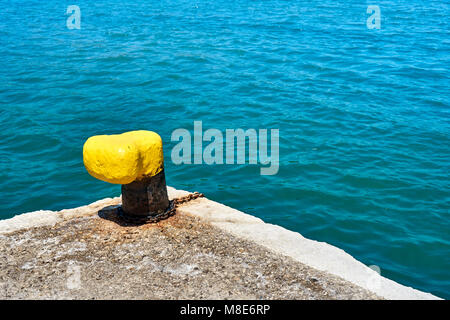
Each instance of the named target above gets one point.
<point>206,251</point>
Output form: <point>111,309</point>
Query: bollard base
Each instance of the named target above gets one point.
<point>141,219</point>
<point>146,197</point>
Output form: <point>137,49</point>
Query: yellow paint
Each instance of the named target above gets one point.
<point>124,158</point>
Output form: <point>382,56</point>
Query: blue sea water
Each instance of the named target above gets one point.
<point>363,114</point>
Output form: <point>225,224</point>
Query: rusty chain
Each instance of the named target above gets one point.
<point>170,211</point>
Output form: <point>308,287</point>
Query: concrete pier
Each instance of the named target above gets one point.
<point>206,251</point>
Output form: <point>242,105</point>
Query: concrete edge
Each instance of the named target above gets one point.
<point>319,255</point>
<point>50,218</point>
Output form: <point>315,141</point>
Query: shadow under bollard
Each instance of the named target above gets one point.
<point>111,213</point>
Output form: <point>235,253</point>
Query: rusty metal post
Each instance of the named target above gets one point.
<point>145,197</point>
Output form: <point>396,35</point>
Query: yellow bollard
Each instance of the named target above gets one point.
<point>135,160</point>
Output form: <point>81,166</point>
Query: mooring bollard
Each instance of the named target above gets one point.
<point>135,160</point>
